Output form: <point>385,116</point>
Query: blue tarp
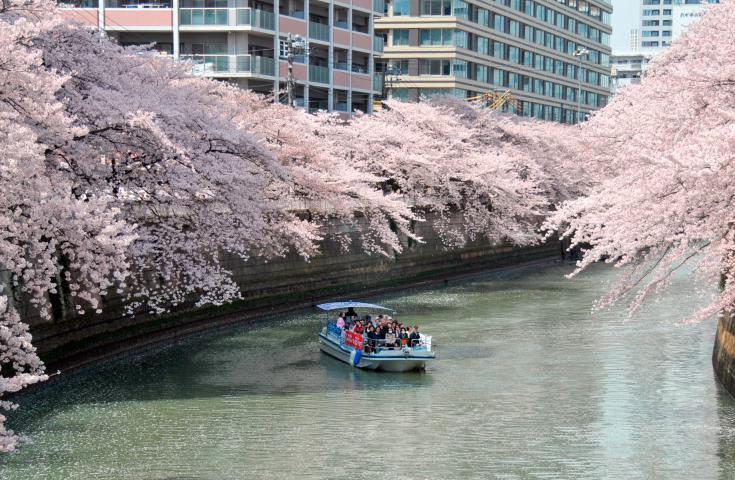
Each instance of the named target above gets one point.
<point>345,305</point>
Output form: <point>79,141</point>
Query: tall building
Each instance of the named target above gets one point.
<point>467,47</point>
<point>662,21</point>
<point>239,41</point>
<point>627,68</point>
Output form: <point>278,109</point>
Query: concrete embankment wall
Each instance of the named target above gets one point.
<point>723,356</point>
<point>69,340</point>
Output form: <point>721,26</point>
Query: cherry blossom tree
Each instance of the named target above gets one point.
<point>119,171</point>
<point>662,157</point>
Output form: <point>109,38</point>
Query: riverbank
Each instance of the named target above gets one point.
<point>274,287</point>
<point>723,354</point>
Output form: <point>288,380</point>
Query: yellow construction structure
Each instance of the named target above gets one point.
<point>495,100</point>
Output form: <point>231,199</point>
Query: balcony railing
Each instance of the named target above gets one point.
<point>256,18</point>
<point>342,66</point>
<point>319,31</point>
<point>319,74</point>
<point>377,83</point>
<point>379,6</point>
<point>378,44</point>
<point>203,16</point>
<point>207,65</point>
<point>227,16</point>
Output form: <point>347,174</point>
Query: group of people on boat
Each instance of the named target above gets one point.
<point>380,332</point>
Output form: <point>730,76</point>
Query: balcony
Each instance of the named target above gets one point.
<point>378,44</point>
<point>223,65</point>
<point>319,74</point>
<point>223,17</point>
<point>256,18</point>
<point>203,16</point>
<point>377,83</point>
<point>319,31</point>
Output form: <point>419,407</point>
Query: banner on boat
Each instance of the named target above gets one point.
<point>353,339</point>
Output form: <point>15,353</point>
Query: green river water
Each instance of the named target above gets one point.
<point>528,384</point>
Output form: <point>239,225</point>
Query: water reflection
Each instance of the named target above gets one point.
<point>528,385</point>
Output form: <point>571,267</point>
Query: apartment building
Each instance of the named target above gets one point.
<point>662,21</point>
<point>240,41</point>
<point>553,55</point>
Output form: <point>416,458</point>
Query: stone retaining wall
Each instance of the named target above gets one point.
<point>723,356</point>
<point>273,286</point>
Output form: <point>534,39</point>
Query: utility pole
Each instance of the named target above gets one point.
<point>389,76</point>
<point>293,46</point>
<point>579,53</point>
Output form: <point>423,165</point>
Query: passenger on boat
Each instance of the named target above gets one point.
<point>341,320</point>
<point>369,346</point>
<point>351,314</point>
<point>403,337</point>
<point>358,328</point>
<point>390,338</point>
<point>414,339</point>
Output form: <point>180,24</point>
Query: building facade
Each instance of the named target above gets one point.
<point>240,41</point>
<point>662,21</point>
<point>468,47</point>
<point>627,68</point>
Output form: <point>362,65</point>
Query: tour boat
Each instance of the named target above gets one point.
<point>349,346</point>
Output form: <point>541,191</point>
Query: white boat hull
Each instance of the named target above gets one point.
<point>387,360</point>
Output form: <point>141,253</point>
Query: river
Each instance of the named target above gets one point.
<point>528,384</point>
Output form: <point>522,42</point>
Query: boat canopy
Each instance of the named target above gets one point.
<point>345,305</point>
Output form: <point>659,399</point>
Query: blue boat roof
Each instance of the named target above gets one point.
<point>345,305</point>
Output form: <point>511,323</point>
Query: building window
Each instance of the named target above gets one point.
<point>649,33</point>
<point>399,67</point>
<point>649,44</point>
<point>436,36</point>
<point>400,37</point>
<point>401,8</point>
<point>436,7</point>
<point>482,45</point>
<point>481,73</point>
<point>648,12</point>
<point>434,67</point>
<point>650,23</point>
<point>499,50</point>
<point>483,17</point>
<point>459,68</point>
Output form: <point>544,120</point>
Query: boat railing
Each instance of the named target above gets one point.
<point>378,344</point>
